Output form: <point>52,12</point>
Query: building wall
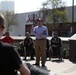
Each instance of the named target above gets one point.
<point>19,28</point>
<point>69,13</point>
<point>22,21</point>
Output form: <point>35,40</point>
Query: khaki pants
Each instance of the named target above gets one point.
<point>40,50</point>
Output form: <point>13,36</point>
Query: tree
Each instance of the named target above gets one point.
<point>9,19</point>
<point>54,12</point>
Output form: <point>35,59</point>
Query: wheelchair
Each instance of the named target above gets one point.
<point>56,52</point>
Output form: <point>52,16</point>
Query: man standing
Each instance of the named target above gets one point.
<point>10,62</point>
<point>41,32</point>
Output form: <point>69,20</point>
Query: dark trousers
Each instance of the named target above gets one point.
<point>30,52</point>
<point>56,51</point>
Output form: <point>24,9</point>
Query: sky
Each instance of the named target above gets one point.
<point>22,6</point>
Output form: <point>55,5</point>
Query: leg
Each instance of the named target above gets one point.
<point>50,53</point>
<point>54,51</point>
<point>43,51</point>
<point>24,53</point>
<point>32,53</point>
<point>61,53</point>
<point>37,52</point>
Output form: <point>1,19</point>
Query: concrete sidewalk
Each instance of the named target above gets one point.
<point>56,67</point>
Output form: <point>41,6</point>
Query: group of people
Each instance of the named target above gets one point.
<point>13,61</point>
<point>37,48</point>
<point>41,45</point>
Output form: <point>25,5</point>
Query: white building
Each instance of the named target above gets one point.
<point>24,22</point>
<point>7,6</point>
<point>23,25</point>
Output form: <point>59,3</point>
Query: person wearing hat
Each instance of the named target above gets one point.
<point>41,32</point>
<point>10,62</point>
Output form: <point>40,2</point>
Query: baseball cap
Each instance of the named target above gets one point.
<point>40,19</point>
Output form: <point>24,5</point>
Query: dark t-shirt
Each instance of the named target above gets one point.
<point>28,42</point>
<point>9,60</point>
<point>56,41</point>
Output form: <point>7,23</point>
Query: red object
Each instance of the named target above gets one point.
<point>8,40</point>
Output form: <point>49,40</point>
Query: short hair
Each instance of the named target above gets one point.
<point>2,20</point>
<point>55,33</point>
<point>27,33</point>
<point>7,33</point>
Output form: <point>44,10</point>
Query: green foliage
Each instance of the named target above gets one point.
<point>65,52</point>
<point>9,17</point>
<point>55,12</point>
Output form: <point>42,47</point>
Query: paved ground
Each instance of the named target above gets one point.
<point>56,67</point>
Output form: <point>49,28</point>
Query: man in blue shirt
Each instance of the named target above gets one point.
<point>41,32</point>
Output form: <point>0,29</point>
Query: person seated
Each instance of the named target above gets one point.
<point>29,46</point>
<point>7,38</point>
<point>56,45</point>
<point>21,48</point>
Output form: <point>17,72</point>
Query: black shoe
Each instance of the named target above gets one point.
<point>43,65</point>
<point>24,59</point>
<point>32,59</point>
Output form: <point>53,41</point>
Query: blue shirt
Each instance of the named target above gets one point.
<point>40,32</point>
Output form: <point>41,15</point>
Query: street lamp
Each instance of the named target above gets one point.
<point>73,17</point>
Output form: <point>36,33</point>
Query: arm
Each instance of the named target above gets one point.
<point>45,32</point>
<point>12,40</point>
<point>25,42</point>
<point>60,43</point>
<point>31,42</point>
<point>17,64</point>
<point>52,43</point>
<point>24,70</point>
